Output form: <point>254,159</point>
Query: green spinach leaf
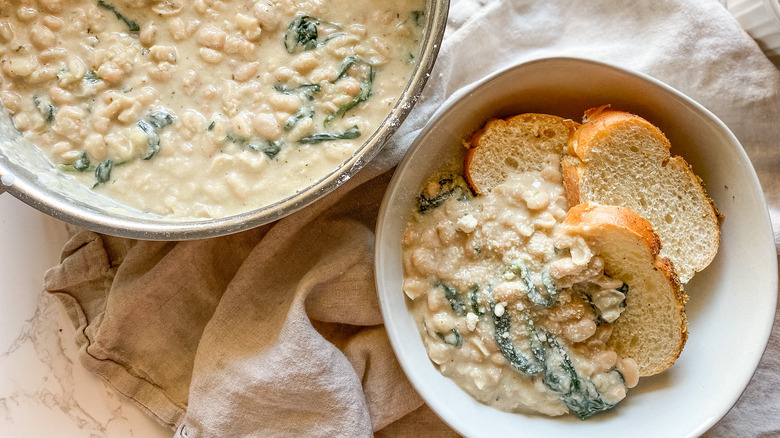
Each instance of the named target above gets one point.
<point>353,132</point>
<point>132,26</point>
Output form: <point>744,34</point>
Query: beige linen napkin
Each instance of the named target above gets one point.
<point>277,331</point>
<point>284,320</point>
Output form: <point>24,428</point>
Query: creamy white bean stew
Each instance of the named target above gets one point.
<point>203,108</point>
<point>516,314</point>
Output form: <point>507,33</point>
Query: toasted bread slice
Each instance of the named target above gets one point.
<point>518,144</point>
<point>652,329</point>
<point>621,159</point>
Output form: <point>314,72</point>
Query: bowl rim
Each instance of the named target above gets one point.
<point>384,216</point>
<point>23,185</point>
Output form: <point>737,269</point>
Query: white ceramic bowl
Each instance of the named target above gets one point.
<point>761,20</point>
<point>732,303</point>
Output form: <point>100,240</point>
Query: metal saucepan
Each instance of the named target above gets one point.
<point>29,176</point>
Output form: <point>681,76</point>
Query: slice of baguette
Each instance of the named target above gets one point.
<point>621,159</point>
<point>520,143</point>
<point>652,329</point>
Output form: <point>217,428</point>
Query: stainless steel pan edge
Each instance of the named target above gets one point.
<point>41,192</point>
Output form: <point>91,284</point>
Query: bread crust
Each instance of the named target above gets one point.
<point>571,169</point>
<point>520,128</point>
<point>657,280</point>
<point>597,123</point>
<point>601,122</point>
<point>653,281</point>
<point>469,157</point>
<point>589,219</point>
<point>594,223</point>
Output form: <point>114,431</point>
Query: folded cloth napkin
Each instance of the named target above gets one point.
<point>277,331</point>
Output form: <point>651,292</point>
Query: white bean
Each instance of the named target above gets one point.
<point>219,131</point>
<point>192,25</point>
<point>402,30</point>
<point>266,126</point>
<point>208,93</point>
<point>230,98</point>
<point>110,72</point>
<point>53,6</point>
<point>69,122</point>
<point>191,82</point>
<point>19,67</point>
<point>76,67</point>
<point>348,86</point>
<point>168,7</point>
<point>630,371</point>
<point>246,71</point>
<point>119,147</point>
<point>163,54</point>
<point>284,74</point>
<point>62,147</point>
<point>61,97</point>
<point>342,46</point>
<point>322,74</point>
<point>6,31</point>
<point>11,100</point>
<point>101,124</point>
<point>147,95</point>
<point>249,26</point>
<point>69,157</point>
<point>304,63</point>
<point>163,72</point>
<point>191,123</point>
<point>251,160</point>
<point>246,50</point>
<point>41,75</point>
<point>578,331</point>
<point>357,29</point>
<point>200,6</point>
<point>53,54</point>
<point>75,71</point>
<point>148,35</point>
<point>52,22</point>
<point>177,29</point>
<point>138,139</point>
<point>25,121</point>
<point>209,55</point>
<point>95,18</point>
<point>212,37</point>
<point>26,14</point>
<point>131,114</point>
<point>241,124</point>
<point>266,15</point>
<point>95,147</point>
<point>231,44</point>
<point>237,185</point>
<point>285,102</point>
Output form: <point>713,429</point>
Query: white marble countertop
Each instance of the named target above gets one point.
<point>44,391</point>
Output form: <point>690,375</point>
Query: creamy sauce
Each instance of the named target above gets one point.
<point>206,108</point>
<point>515,313</point>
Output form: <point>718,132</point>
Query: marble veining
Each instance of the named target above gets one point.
<point>44,390</point>
<point>43,380</point>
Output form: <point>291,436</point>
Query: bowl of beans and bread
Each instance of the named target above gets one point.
<point>555,265</point>
<point>179,120</point>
